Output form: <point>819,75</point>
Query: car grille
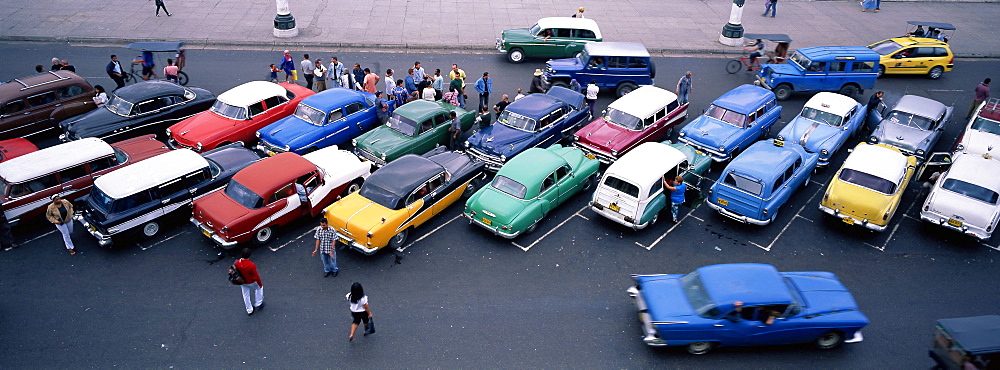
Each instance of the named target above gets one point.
<point>271,147</point>
<point>369,156</point>
<point>601,156</point>
<point>492,162</point>
<point>177,145</point>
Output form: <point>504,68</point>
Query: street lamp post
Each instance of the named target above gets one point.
<point>284,22</point>
<point>732,32</point>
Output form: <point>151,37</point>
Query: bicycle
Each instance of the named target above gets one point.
<point>135,75</point>
<point>737,64</point>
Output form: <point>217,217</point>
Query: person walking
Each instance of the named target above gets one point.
<point>867,4</point>
<point>115,70</point>
<point>982,93</point>
<point>458,85</point>
<point>6,236</point>
<point>307,70</point>
<point>537,85</point>
<point>251,282</point>
<point>771,5</point>
<point>170,71</point>
<point>455,132</point>
<point>288,66</point>
<point>324,245</point>
<point>65,66</point>
<point>319,72</point>
<point>359,77</point>
<point>159,5</point>
<point>438,84</point>
<point>592,91</point>
<point>360,311</point>
<point>60,213</point>
<point>683,88</point>
<point>677,189</point>
<point>335,71</point>
<point>484,86</point>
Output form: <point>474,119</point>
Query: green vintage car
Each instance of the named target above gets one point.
<point>554,37</point>
<point>414,128</point>
<point>529,186</point>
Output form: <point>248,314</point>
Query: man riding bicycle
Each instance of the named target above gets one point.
<point>756,50</point>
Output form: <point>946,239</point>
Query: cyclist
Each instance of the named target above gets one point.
<point>756,49</point>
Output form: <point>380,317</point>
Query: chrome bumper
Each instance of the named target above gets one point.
<point>937,219</point>
<point>649,334</point>
<point>494,230</point>
<point>212,235</point>
<point>737,217</point>
<point>355,245</point>
<point>603,157</point>
<point>856,221</point>
<point>760,81</point>
<point>500,45</point>
<point>856,338</point>
<point>102,239</point>
<point>712,153</point>
<point>616,217</point>
<point>492,163</point>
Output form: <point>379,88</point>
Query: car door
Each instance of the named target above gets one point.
<point>177,192</point>
<point>874,116</point>
<point>419,205</point>
<point>548,48</point>
<point>13,115</point>
<point>903,61</point>
<point>282,202</point>
<point>38,109</point>
<point>616,71</point>
<point>566,183</point>
<point>779,331</point>
<point>273,110</point>
<point>437,194</point>
<point>548,194</point>
<point>75,182</point>
<point>924,59</point>
<point>595,67</point>
<point>815,78</point>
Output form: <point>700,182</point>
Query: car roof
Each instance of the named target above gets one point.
<point>532,165</point>
<point>15,89</point>
<point>877,160</point>
<point>751,283</point>
<point>266,176</point>
<point>150,173</point>
<point>991,110</point>
<point>617,49</point>
<point>534,105</point>
<point>918,41</point>
<point>404,174</point>
<point>745,98</point>
<point>55,158</point>
<point>640,102</point>
<point>976,169</point>
<point>765,161</point>
<point>420,109</point>
<point>920,106</point>
<point>333,98</point>
<point>826,53</point>
<point>251,92</point>
<point>149,89</point>
<point>831,102</point>
<point>646,163</point>
<point>570,22</point>
<point>977,334</point>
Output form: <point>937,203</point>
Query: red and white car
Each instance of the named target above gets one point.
<point>266,195</point>
<point>647,114</point>
<point>237,115</point>
<point>13,148</point>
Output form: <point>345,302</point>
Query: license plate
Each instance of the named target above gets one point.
<point>723,202</point>
<point>487,221</point>
<point>345,241</point>
<point>590,156</point>
<point>848,220</point>
<point>92,228</point>
<point>614,207</point>
<point>208,234</point>
<point>954,222</point>
<point>699,152</point>
<point>779,143</point>
<point>270,153</point>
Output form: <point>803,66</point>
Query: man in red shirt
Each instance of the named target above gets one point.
<point>371,80</point>
<point>249,272</point>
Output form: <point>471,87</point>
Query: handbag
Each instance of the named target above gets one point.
<point>235,277</point>
<point>370,328</point>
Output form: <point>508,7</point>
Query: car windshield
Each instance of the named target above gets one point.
<point>119,106</point>
<point>886,47</point>
<point>827,118</point>
<point>242,195</point>
<point>801,60</point>
<point>584,57</point>
<point>98,199</point>
<point>727,116</point>
<point>310,114</point>
<point>744,183</point>
<point>534,30</point>
<point>971,190</point>
<point>379,195</point>
<point>517,121</point>
<point>987,125</point>
<point>623,119</point>
<point>867,181</point>
<point>214,168</point>
<point>698,296</point>
<point>402,124</point>
<point>509,186</point>
<point>909,119</point>
<point>229,111</point>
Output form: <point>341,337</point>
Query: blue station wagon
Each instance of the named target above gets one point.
<point>621,66</point>
<point>537,120</point>
<point>845,69</point>
<point>756,184</point>
<point>332,117</point>
<point>734,121</point>
<point>826,121</point>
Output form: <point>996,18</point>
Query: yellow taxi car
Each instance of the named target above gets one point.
<point>867,188</point>
<point>401,196</point>
<point>914,55</point>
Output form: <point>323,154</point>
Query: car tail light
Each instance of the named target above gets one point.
<point>504,227</point>
<point>885,216</point>
<point>927,207</point>
<point>952,60</point>
<point>370,234</point>
<point>629,219</point>
<point>472,213</point>
<point>826,196</point>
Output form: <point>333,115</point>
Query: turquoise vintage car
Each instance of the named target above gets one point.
<point>414,128</point>
<point>529,186</point>
<point>553,37</point>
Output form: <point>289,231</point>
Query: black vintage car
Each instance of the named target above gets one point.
<point>139,197</point>
<point>144,108</point>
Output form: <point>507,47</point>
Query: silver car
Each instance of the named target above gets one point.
<point>913,125</point>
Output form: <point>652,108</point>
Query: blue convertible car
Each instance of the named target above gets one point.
<point>735,120</point>
<point>745,304</point>
<point>537,120</point>
<point>754,185</point>
<point>826,121</point>
<point>332,117</point>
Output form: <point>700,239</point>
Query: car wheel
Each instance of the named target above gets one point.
<point>624,88</point>
<point>935,72</point>
<point>589,183</point>
<point>150,229</point>
<point>782,92</point>
<point>560,84</point>
<point>353,187</point>
<point>850,91</point>
<point>700,348</point>
<point>734,66</point>
<point>881,70</point>
<point>470,189</point>
<point>398,240</point>
<point>830,340</point>
<point>653,221</point>
<point>263,236</point>
<point>515,55</point>
<point>534,225</point>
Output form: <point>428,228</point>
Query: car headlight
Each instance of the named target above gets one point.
<point>960,147</point>
<point>920,152</point>
<point>383,156</point>
<point>370,234</point>
<point>780,138</point>
<point>722,148</point>
<point>614,152</point>
<point>168,132</point>
<point>824,152</point>
<point>468,144</point>
<point>354,143</point>
<point>873,139</point>
<point>258,134</point>
<point>681,134</point>
<point>503,158</point>
<point>288,148</point>
<point>199,146</point>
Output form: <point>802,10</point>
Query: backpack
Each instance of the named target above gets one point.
<point>235,277</point>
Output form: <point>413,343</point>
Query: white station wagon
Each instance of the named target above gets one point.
<point>965,198</point>
<point>631,191</point>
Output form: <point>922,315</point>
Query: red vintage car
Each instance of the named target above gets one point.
<point>27,182</point>
<point>13,148</point>
<point>647,114</point>
<point>268,194</point>
<point>237,115</point>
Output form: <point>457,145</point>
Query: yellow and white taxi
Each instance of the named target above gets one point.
<point>867,188</point>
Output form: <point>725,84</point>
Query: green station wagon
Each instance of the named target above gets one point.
<point>529,186</point>
<point>553,37</point>
<point>414,128</point>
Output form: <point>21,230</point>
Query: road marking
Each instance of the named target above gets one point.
<point>293,240</point>
<point>990,247</point>
<point>879,248</point>
<point>552,230</point>
<point>657,241</point>
<point>758,246</point>
<point>797,214</point>
<point>696,218</point>
<point>519,246</point>
<point>584,217</point>
<point>800,216</point>
<point>894,228</point>
<point>403,248</point>
<point>36,238</point>
<point>162,241</point>
<point>945,90</point>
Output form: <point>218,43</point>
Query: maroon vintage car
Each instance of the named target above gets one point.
<point>13,148</point>
<point>647,114</point>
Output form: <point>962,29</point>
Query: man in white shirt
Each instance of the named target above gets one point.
<point>592,90</point>
<point>418,72</point>
<point>307,70</point>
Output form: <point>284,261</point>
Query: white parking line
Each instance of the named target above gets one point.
<point>403,248</point>
<point>758,246</point>
<point>293,240</point>
<point>808,202</point>
<point>36,238</point>
<point>990,247</point>
<point>552,230</point>
<point>161,241</point>
<point>800,216</point>
<point>882,248</point>
<point>657,241</point>
<point>894,228</point>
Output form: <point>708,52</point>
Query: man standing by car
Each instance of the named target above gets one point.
<point>307,70</point>
<point>873,103</point>
<point>324,245</point>
<point>592,91</point>
<point>684,88</point>
<point>455,132</point>
<point>335,71</point>
<point>115,70</point>
<point>484,86</point>
<point>502,104</point>
<point>381,108</point>
<point>248,270</point>
<point>982,93</point>
<point>677,189</point>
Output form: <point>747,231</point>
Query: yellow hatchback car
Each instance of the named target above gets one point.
<point>867,188</point>
<point>914,55</point>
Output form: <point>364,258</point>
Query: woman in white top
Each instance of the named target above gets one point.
<point>429,93</point>
<point>101,97</point>
<point>359,310</point>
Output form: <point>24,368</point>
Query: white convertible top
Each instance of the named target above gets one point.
<point>832,103</point>
<point>877,160</point>
<point>646,163</point>
<point>251,92</point>
<point>570,22</point>
<point>150,173</point>
<point>53,159</point>
<point>644,101</point>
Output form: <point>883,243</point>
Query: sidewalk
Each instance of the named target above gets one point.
<point>666,27</point>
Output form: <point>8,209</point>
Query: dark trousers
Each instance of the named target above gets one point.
<point>119,80</point>
<point>590,105</point>
<point>455,142</point>
<point>484,101</point>
<point>309,80</point>
<point>160,5</point>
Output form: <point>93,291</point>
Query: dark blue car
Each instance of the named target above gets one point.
<point>745,304</point>
<point>332,117</point>
<point>536,120</point>
<point>733,122</point>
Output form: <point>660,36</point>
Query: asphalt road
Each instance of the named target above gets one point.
<point>458,297</point>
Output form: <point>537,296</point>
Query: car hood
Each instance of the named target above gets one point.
<point>816,135</point>
<point>903,137</point>
<point>202,127</point>
<point>218,210</point>
<point>384,140</point>
<point>502,208</point>
<point>93,123</point>
<point>822,291</point>
<point>711,132</point>
<point>499,139</point>
<point>780,69</point>
<point>961,208</point>
<point>981,142</point>
<point>606,136</point>
<point>16,147</point>
<point>665,297</point>
<point>564,64</point>
<point>516,34</point>
<point>292,131</point>
<point>357,215</point>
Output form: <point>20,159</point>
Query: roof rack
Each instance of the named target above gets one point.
<point>26,86</point>
<point>991,109</point>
